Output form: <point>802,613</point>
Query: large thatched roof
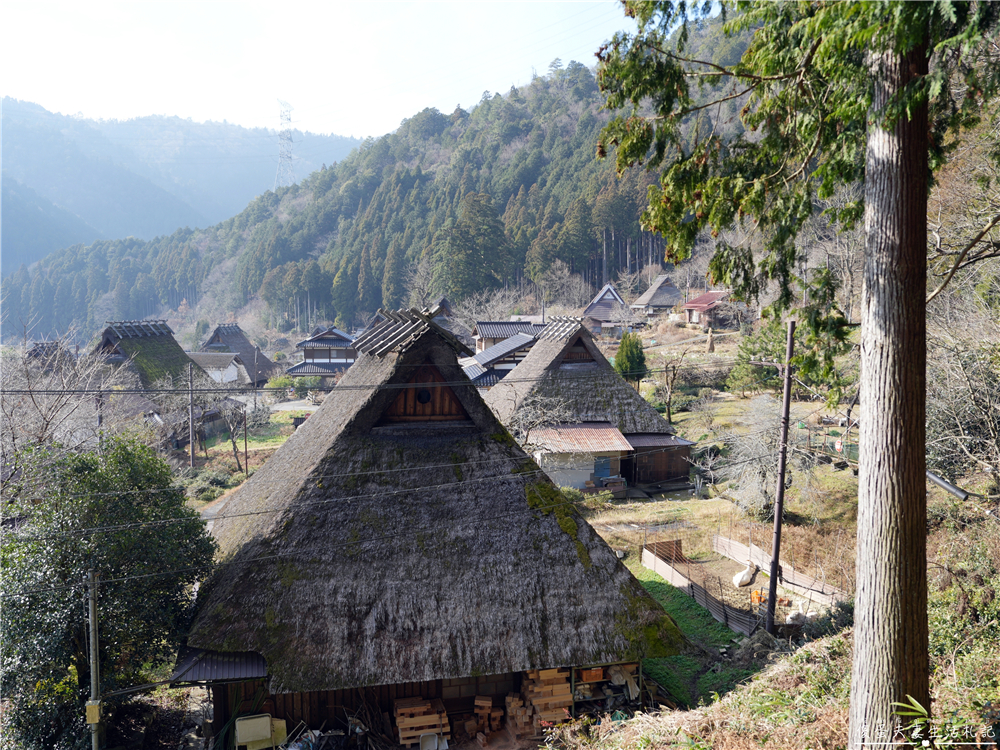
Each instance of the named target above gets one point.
<point>147,348</point>
<point>567,365</point>
<point>400,535</point>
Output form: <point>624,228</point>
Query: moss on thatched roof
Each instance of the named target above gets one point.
<point>567,365</point>
<point>369,551</point>
<point>147,348</point>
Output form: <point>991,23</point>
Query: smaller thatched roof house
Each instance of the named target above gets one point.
<point>661,297</point>
<point>606,305</point>
<point>230,338</point>
<point>566,373</point>
<point>401,543</point>
<point>147,348</point>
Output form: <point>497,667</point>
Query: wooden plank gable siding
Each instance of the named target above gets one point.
<point>423,402</point>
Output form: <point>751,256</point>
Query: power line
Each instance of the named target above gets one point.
<point>412,490</point>
<point>409,532</point>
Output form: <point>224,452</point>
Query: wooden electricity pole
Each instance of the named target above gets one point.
<point>191,409</point>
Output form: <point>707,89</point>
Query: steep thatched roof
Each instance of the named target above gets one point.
<point>661,293</point>
<point>147,348</point>
<point>566,364</point>
<point>400,535</point>
<point>229,337</point>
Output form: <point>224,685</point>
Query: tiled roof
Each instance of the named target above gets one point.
<point>585,437</point>
<point>504,329</point>
<point>650,440</point>
<point>326,338</point>
<point>324,369</point>
<point>705,301</point>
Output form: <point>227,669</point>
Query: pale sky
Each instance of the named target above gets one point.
<point>350,68</point>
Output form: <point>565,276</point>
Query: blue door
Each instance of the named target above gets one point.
<point>602,466</point>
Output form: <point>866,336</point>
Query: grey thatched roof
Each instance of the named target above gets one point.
<point>229,337</point>
<point>558,366</point>
<point>604,304</point>
<point>661,293</point>
<point>369,552</point>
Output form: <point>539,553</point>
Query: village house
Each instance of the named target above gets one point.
<point>229,338</point>
<point>487,367</point>
<point>222,367</point>
<point>401,545</point>
<point>614,433</point>
<point>702,309</point>
<point>327,352</point>
<point>488,333</point>
<point>661,297</point>
<point>146,348</point>
<point>607,313</point>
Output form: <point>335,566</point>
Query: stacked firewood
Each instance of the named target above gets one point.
<point>519,715</point>
<point>417,716</point>
<point>548,692</point>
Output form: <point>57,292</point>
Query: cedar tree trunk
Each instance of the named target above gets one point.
<point>890,633</point>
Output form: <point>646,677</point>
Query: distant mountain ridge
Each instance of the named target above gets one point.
<point>448,204</point>
<point>143,177</point>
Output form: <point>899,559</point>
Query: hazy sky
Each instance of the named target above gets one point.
<point>350,68</point>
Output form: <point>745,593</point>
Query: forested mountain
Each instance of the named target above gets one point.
<point>448,204</point>
<point>30,222</point>
<point>142,177</point>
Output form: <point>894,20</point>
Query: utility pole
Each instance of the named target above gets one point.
<point>191,410</point>
<point>100,419</point>
<point>779,501</point>
<point>94,704</point>
<point>246,459</point>
<point>284,176</point>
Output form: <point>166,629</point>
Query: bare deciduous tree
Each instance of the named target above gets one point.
<point>51,396</point>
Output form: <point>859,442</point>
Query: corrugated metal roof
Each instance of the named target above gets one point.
<point>585,437</point>
<point>651,440</point>
<point>198,665</point>
<point>705,301</point>
<point>504,348</point>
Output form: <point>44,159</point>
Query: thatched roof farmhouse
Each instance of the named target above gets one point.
<point>566,367</point>
<point>146,348</point>
<point>230,338</point>
<point>402,538</point>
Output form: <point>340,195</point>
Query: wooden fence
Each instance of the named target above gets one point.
<point>660,557</point>
<point>800,583</point>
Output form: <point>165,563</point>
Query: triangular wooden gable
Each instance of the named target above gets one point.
<point>577,353</point>
<point>420,401</point>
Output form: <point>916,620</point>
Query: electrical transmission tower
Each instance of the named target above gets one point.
<point>285,176</point>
